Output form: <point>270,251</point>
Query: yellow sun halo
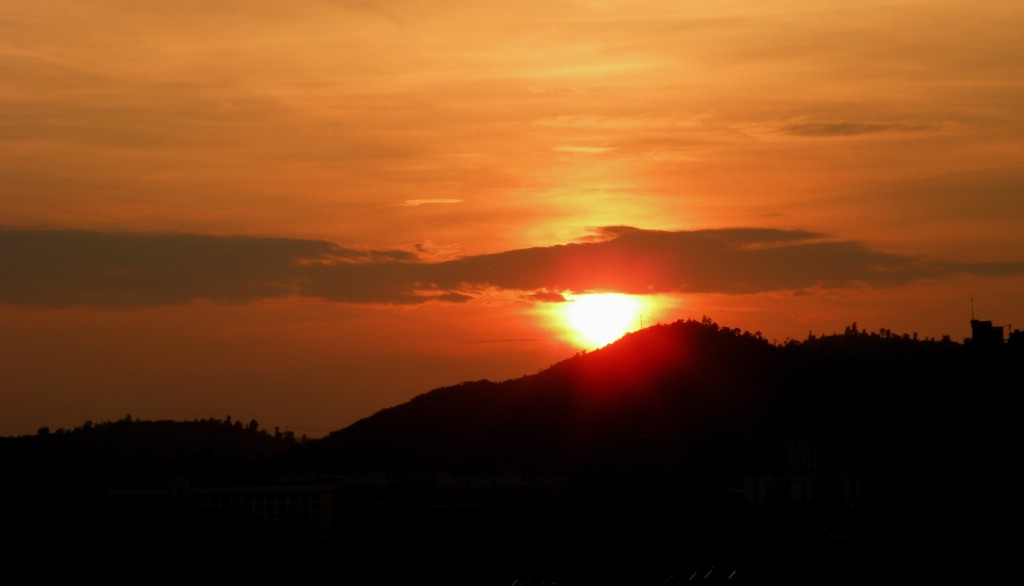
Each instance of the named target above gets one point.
<point>600,319</point>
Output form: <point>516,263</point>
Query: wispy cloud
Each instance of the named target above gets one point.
<point>839,128</point>
<point>583,150</point>
<point>122,270</point>
<point>411,203</point>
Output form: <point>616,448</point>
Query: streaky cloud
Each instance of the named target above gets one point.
<point>66,268</point>
<point>412,203</point>
<point>63,268</point>
<point>547,297</point>
<point>849,128</point>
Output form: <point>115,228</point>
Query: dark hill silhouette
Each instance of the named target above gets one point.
<point>677,448</point>
<point>677,395</point>
<point>643,399</point>
<point>812,455</point>
<point>140,453</point>
<point>57,495</point>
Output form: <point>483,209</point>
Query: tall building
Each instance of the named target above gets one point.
<point>985,335</point>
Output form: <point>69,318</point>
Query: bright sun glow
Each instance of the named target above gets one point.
<point>602,318</point>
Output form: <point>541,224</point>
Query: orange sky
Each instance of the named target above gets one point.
<point>785,166</point>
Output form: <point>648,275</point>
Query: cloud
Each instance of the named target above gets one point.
<point>847,128</point>
<point>411,203</point>
<point>583,150</point>
<point>123,270</point>
<point>68,268</point>
<point>547,297</point>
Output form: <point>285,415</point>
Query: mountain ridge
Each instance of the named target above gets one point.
<point>688,381</point>
<point>676,448</point>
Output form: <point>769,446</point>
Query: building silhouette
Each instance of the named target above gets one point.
<point>986,336</point>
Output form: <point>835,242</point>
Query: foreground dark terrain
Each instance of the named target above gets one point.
<point>684,452</point>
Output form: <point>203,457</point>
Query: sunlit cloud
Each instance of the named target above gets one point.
<point>411,203</point>
<point>583,150</point>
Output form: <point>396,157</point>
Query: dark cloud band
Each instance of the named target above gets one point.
<point>120,270</point>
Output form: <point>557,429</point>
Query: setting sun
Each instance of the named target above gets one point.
<point>599,319</point>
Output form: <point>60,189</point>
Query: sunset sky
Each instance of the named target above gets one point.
<point>302,212</point>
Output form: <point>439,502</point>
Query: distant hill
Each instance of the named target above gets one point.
<point>643,399</point>
<point>797,459</point>
<point>137,452</point>
<point>678,448</point>
<point>658,397</point>
<point>687,395</point>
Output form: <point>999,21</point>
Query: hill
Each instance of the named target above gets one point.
<point>796,459</point>
<point>646,398</point>
<point>679,448</point>
<point>683,394</point>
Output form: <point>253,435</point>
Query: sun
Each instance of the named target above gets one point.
<point>600,319</point>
